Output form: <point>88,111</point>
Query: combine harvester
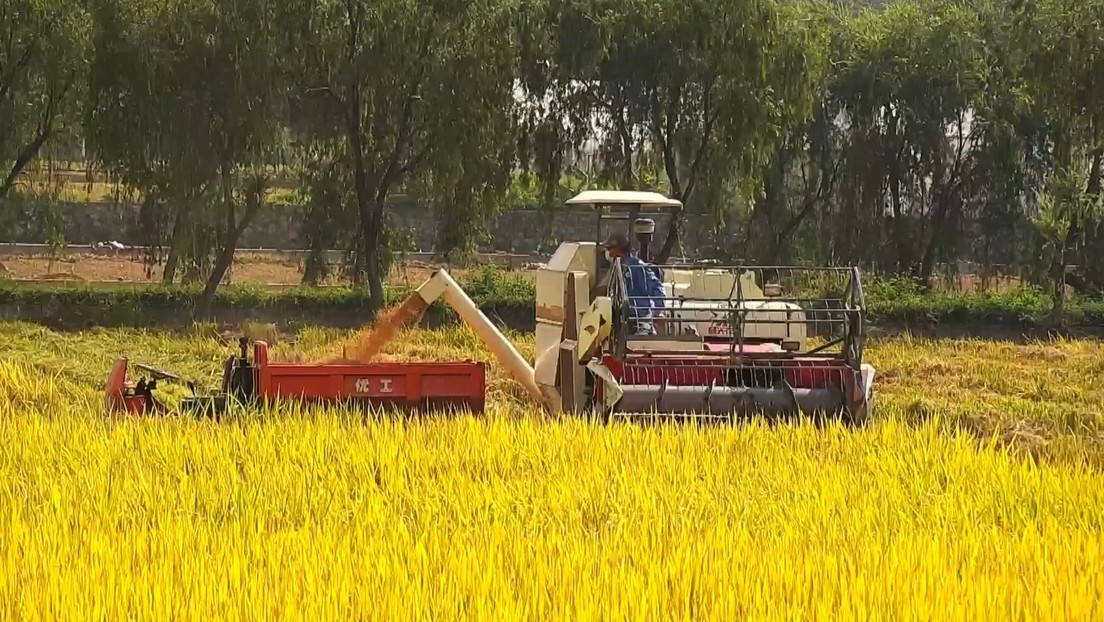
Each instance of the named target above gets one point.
<point>731,342</point>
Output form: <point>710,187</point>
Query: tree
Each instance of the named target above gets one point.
<point>1065,204</point>
<point>908,95</point>
<point>43,64</point>
<point>1064,73</point>
<point>689,82</point>
<point>803,167</point>
<point>416,91</point>
<point>187,110</point>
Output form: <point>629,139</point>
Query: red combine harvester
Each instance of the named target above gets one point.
<point>707,342</point>
<point>413,387</point>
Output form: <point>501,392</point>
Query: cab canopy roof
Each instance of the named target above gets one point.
<point>627,198</point>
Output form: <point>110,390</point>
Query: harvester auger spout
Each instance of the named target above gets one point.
<point>442,285</point>
<point>554,381</point>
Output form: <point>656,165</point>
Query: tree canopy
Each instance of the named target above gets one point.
<point>44,48</point>
<point>897,136</point>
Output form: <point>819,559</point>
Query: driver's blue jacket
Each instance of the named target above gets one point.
<point>646,291</point>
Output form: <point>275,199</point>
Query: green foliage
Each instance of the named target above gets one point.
<point>902,299</point>
<point>499,293</point>
<point>493,283</point>
<point>1063,203</point>
<point>895,136</point>
<point>1062,65</point>
<point>187,110</point>
<point>406,93</point>
<point>693,90</point>
<point>43,64</point>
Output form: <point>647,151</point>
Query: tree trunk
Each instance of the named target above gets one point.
<point>368,234</point>
<point>314,267</point>
<point>626,151</point>
<point>1058,280</point>
<point>775,200</point>
<point>669,244</point>
<point>902,254</point>
<point>927,263</point>
<point>369,231</point>
<point>29,151</point>
<point>169,275</point>
<point>375,278</point>
<point>1096,172</point>
<point>375,272</point>
<point>374,264</point>
<point>222,264</point>
<point>672,239</point>
<point>234,231</point>
<point>224,261</point>
<point>903,258</point>
<point>24,158</point>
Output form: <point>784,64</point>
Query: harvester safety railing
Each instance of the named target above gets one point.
<point>831,301</point>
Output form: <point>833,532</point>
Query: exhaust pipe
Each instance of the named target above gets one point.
<point>644,228</point>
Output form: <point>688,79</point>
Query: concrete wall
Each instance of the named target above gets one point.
<point>520,231</point>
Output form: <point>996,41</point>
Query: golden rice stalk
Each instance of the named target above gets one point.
<point>978,493</point>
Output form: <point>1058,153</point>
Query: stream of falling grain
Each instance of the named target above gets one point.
<point>364,346</point>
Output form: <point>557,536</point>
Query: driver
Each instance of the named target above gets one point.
<point>646,292</point>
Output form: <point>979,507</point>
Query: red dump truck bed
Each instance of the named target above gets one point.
<point>406,385</point>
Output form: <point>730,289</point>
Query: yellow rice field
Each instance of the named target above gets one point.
<point>976,494</point>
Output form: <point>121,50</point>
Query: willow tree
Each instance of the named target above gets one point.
<point>909,90</point>
<point>689,82</point>
<point>43,65</point>
<point>1063,66</point>
<point>186,110</point>
<point>398,92</point>
<point>798,176</point>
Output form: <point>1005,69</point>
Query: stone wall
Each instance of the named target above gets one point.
<point>522,231</point>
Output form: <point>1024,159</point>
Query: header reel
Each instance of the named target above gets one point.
<point>725,347</point>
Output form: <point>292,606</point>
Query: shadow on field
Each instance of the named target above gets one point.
<point>1075,440</point>
<point>1019,335</point>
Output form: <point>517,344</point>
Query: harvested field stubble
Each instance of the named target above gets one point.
<point>318,514</point>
